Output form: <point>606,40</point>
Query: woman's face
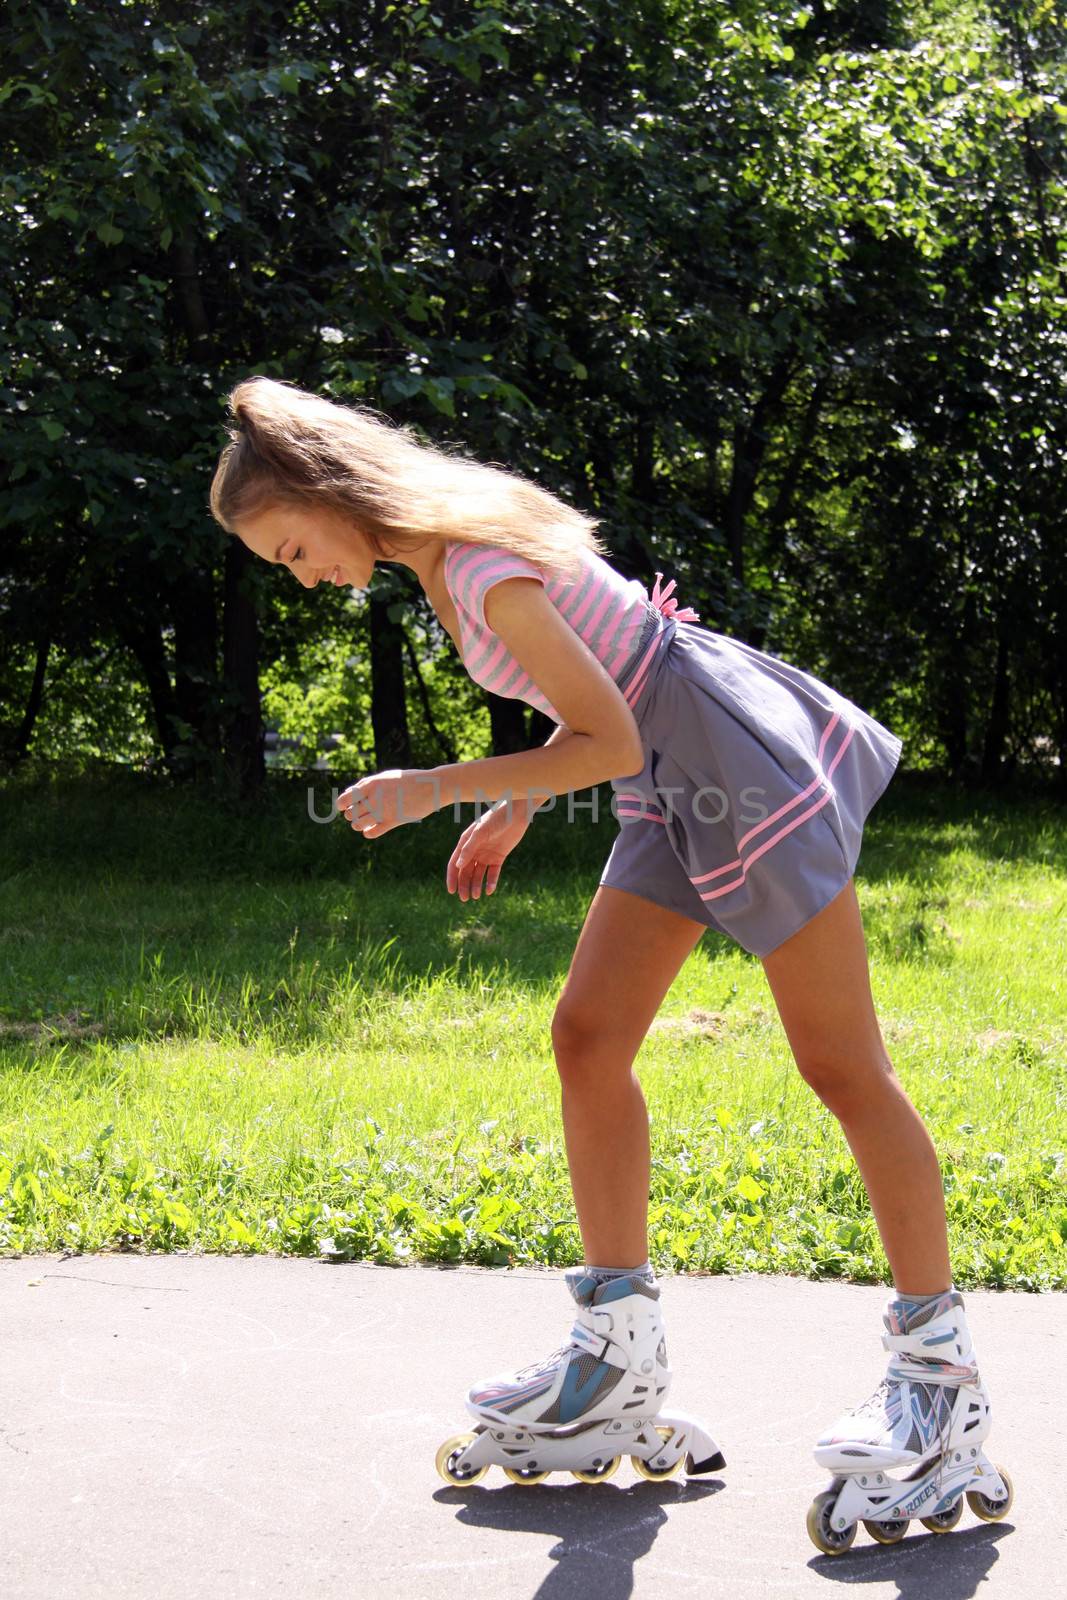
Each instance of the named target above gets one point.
<point>317,545</point>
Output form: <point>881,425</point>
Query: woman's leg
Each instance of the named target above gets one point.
<point>628,954</point>
<point>821,986</point>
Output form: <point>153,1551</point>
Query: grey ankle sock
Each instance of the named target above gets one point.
<point>604,1274</point>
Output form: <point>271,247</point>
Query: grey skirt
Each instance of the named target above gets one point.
<point>748,812</point>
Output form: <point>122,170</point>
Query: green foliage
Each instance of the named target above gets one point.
<point>777,291</point>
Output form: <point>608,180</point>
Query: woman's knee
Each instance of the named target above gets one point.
<point>845,1083</point>
<point>585,1043</point>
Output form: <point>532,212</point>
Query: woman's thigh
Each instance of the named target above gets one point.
<point>629,952</point>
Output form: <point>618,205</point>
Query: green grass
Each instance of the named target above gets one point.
<point>233,1030</point>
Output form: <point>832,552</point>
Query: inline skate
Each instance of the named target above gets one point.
<point>929,1416</point>
<point>579,1410</point>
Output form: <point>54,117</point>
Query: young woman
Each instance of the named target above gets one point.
<point>743,785</point>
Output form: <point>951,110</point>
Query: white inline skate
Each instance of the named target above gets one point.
<point>580,1409</point>
<point>929,1416</point>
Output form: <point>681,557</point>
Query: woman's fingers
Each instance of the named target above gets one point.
<point>457,865</point>
<point>466,876</point>
<point>476,861</point>
<point>470,878</point>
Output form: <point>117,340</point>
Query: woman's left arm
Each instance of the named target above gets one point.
<point>601,740</point>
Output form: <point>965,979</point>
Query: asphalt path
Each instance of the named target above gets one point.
<point>180,1426</point>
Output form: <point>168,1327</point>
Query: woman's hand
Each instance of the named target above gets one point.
<point>386,800</point>
<point>482,849</point>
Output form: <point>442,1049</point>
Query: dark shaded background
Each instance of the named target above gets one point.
<point>777,292</point>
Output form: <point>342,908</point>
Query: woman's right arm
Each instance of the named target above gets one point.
<point>527,806</point>
<point>483,846</point>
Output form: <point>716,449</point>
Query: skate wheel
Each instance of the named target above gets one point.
<point>446,1458</point>
<point>822,1535</point>
<point>889,1531</point>
<point>525,1475</point>
<point>989,1510</point>
<point>600,1474</point>
<point>657,1474</point>
<point>944,1521</point>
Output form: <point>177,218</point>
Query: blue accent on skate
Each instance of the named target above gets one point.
<point>903,1314</point>
<point>500,1397</point>
<point>581,1285</point>
<point>615,1289</point>
<point>588,1289</point>
<point>575,1397</point>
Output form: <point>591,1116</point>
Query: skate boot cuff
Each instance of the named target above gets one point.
<point>939,1351</point>
<point>588,1289</point>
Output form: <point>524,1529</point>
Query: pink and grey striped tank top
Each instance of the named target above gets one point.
<point>607,611</point>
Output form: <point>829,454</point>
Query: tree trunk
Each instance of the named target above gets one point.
<point>783,502</point>
<point>190,295</point>
<point>742,479</point>
<point>145,642</point>
<point>644,486</point>
<point>388,704</point>
<point>540,727</point>
<point>600,473</point>
<point>750,444</point>
<point>445,744</point>
<point>240,655</point>
<point>507,724</point>
<point>21,736</point>
<point>196,686</point>
<point>996,732</point>
<point>953,691</point>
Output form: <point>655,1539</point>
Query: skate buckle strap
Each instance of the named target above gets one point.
<point>584,1336</point>
<point>906,1342</point>
<point>898,1341</point>
<point>931,1369</point>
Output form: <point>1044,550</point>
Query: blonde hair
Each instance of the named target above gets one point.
<point>289,446</point>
